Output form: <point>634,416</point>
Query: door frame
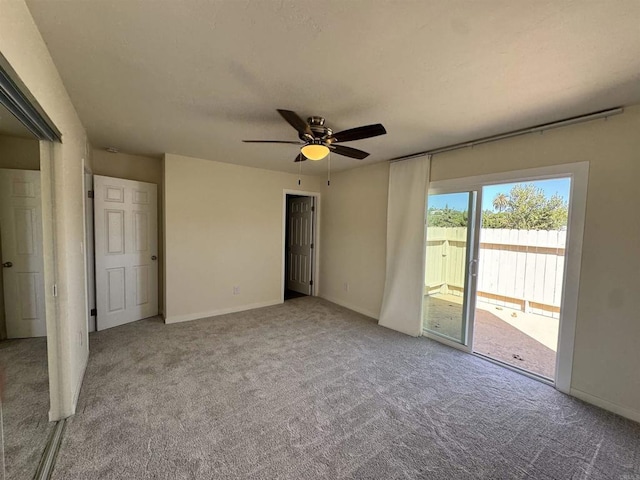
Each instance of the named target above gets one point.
<point>470,281</point>
<point>89,250</point>
<point>579,174</point>
<point>316,240</point>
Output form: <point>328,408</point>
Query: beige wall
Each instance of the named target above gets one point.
<point>26,52</point>
<point>606,355</point>
<point>223,227</point>
<point>130,167</point>
<point>354,229</point>
<point>141,169</point>
<point>20,153</point>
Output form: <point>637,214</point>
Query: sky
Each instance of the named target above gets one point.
<point>460,201</point>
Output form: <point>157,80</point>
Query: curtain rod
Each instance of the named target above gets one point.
<point>516,133</point>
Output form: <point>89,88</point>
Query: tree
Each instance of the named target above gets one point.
<point>491,219</point>
<point>500,202</point>
<point>446,217</point>
<point>527,208</point>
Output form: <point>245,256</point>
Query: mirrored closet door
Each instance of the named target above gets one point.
<point>24,379</point>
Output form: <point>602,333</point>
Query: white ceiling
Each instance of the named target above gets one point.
<point>197,77</point>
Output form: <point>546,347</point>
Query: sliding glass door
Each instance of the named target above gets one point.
<point>451,266</point>
<point>499,251</point>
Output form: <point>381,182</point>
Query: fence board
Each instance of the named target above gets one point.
<point>517,268</point>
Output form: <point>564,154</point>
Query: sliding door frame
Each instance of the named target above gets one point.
<point>470,270</point>
<point>579,174</point>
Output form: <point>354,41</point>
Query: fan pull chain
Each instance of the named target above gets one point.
<point>299,167</point>
<point>329,172</point>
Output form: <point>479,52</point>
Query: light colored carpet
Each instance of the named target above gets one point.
<point>310,390</point>
<point>25,407</point>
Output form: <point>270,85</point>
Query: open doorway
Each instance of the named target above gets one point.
<point>89,230</point>
<point>299,245</point>
<point>521,271</point>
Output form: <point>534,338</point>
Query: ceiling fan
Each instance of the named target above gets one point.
<point>317,140</point>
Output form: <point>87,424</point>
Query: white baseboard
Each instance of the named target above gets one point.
<point>223,311</point>
<point>607,405</point>
<point>368,313</point>
<point>350,306</point>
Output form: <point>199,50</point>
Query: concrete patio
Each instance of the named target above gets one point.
<point>524,340</point>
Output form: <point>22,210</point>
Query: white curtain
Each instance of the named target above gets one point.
<point>404,283</point>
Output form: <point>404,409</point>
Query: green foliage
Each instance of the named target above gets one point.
<point>492,219</point>
<point>446,217</point>
<point>526,208</point>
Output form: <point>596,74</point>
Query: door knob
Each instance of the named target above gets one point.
<point>7,264</point>
<point>153,257</point>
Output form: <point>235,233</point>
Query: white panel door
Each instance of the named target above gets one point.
<point>300,244</point>
<point>22,258</point>
<point>126,246</point>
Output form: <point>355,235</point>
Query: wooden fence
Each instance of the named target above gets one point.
<point>520,269</point>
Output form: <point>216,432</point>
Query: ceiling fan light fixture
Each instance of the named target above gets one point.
<point>318,141</point>
<point>315,151</point>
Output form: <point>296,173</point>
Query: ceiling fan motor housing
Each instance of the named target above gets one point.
<point>319,140</point>
<point>319,130</point>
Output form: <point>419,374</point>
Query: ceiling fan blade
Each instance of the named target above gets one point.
<point>272,141</point>
<point>300,158</point>
<point>359,133</point>
<point>349,152</point>
<point>296,122</point>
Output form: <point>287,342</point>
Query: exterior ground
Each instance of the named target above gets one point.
<point>524,340</point>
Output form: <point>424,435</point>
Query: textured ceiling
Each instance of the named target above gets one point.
<point>197,77</point>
